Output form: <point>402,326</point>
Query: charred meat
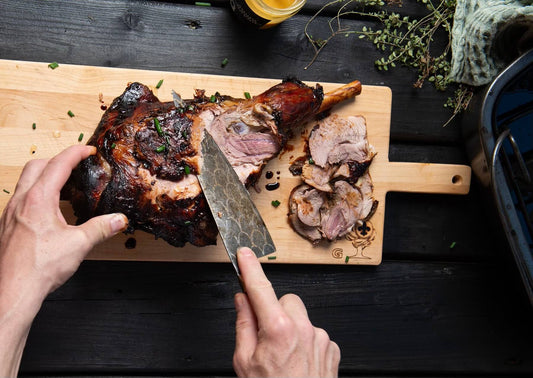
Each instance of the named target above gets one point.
<point>148,154</point>
<point>337,192</point>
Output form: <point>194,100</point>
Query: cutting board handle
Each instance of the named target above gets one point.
<point>427,178</point>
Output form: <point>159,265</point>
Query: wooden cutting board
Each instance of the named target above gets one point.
<point>33,93</point>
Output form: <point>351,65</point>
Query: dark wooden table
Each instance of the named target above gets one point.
<point>427,310</point>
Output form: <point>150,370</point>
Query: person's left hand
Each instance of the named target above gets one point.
<point>39,251</point>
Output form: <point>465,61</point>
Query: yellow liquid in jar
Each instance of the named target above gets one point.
<point>279,4</point>
<point>265,13</point>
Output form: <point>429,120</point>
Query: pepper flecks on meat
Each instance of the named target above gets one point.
<point>147,169</point>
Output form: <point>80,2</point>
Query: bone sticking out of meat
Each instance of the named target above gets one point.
<point>338,190</point>
<point>148,154</point>
<point>340,94</point>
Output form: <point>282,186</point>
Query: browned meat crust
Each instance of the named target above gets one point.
<point>147,155</point>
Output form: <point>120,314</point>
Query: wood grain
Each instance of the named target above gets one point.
<point>34,93</point>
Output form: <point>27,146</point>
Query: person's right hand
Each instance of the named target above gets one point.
<point>275,338</point>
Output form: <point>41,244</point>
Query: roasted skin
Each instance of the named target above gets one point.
<point>148,154</point>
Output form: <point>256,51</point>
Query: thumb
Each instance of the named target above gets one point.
<point>101,228</point>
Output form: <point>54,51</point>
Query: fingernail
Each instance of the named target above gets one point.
<point>118,222</point>
<point>245,251</point>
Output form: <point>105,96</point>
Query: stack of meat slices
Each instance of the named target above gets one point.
<point>337,192</point>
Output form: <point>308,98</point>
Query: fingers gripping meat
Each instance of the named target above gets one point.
<point>148,155</point>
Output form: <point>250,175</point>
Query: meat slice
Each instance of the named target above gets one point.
<point>337,140</point>
<point>148,154</point>
<point>336,171</point>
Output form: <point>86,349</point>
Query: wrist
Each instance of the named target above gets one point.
<point>21,303</point>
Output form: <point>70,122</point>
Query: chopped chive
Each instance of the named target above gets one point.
<point>70,114</point>
<point>186,223</point>
<point>34,126</point>
<point>190,108</point>
<point>202,4</point>
<point>53,65</point>
<point>161,148</point>
<point>187,170</point>
<point>247,95</point>
<point>80,137</point>
<point>212,98</point>
<point>272,257</point>
<point>113,145</point>
<point>452,245</point>
<point>224,62</point>
<point>7,191</point>
<point>347,259</point>
<point>311,161</point>
<point>159,84</point>
<point>158,127</point>
<point>184,134</point>
<point>275,203</point>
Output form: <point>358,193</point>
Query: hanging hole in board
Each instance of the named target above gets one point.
<point>457,180</point>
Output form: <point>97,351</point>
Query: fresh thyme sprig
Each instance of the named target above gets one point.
<point>402,40</point>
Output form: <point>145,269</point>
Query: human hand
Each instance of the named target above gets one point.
<point>39,251</point>
<point>276,338</point>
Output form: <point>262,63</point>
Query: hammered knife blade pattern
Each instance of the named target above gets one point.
<point>238,221</point>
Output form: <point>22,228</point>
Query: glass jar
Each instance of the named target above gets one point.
<point>264,14</point>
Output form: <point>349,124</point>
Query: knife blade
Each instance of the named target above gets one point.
<point>238,221</point>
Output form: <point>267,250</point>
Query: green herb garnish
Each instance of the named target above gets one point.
<point>347,259</point>
<point>247,95</point>
<point>53,65</point>
<point>272,257</point>
<point>113,145</point>
<point>186,223</point>
<point>70,114</point>
<point>275,203</point>
<point>7,191</point>
<point>187,170</point>
<point>311,161</point>
<point>161,148</point>
<point>452,245</point>
<point>80,137</point>
<point>224,62</point>
<point>34,126</point>
<point>202,4</point>
<point>158,127</point>
<point>212,98</point>
<point>159,83</point>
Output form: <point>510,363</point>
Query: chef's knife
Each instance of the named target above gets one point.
<point>238,221</point>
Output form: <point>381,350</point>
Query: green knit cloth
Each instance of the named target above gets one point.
<point>476,23</point>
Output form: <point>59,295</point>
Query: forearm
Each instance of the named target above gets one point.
<point>13,336</point>
<point>16,317</point>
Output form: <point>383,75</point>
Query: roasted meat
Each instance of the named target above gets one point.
<point>337,192</point>
<point>148,154</point>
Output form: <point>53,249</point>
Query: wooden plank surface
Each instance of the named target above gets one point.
<point>33,93</point>
<point>428,310</point>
